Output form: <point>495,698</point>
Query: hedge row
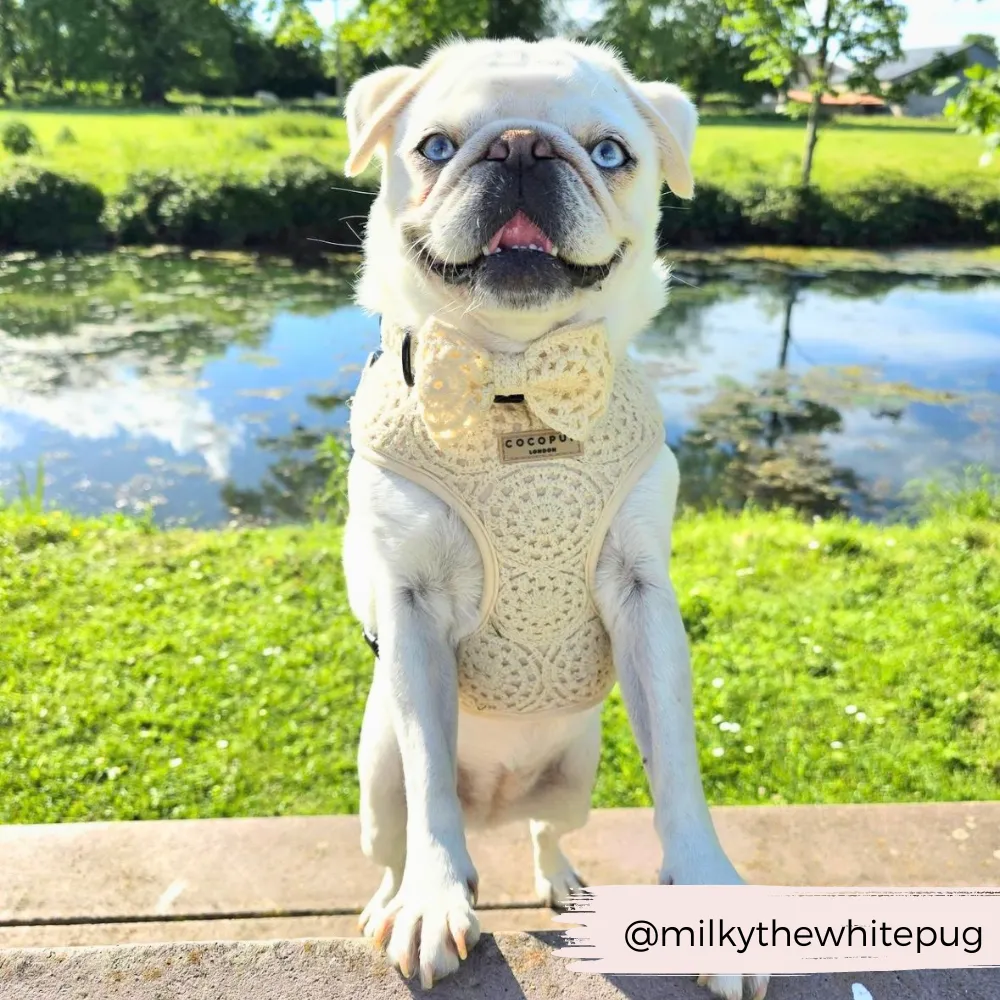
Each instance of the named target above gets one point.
<point>302,201</point>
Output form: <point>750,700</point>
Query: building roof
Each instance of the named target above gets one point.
<point>916,59</point>
<point>846,100</point>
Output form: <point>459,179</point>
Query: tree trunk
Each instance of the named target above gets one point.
<point>153,90</point>
<point>812,134</point>
<point>819,87</point>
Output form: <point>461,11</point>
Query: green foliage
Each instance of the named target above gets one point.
<point>141,49</point>
<point>42,210</point>
<point>976,107</point>
<point>17,138</point>
<point>886,211</point>
<point>405,30</point>
<point>298,200</point>
<point>685,41</point>
<point>788,43</point>
<point>786,40</point>
<point>168,674</point>
<point>66,136</point>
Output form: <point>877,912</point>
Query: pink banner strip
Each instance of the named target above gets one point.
<point>779,930</point>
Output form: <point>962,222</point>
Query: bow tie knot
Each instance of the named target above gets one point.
<point>565,378</point>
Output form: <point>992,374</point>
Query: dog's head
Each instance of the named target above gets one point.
<point>520,186</point>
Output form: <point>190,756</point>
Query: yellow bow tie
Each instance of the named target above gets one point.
<point>565,378</point>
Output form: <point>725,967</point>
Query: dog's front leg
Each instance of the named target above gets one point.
<point>430,924</point>
<point>640,609</point>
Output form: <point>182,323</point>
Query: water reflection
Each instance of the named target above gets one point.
<point>209,388</point>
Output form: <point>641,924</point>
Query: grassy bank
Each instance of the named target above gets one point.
<point>174,674</point>
<point>105,147</point>
<point>273,181</point>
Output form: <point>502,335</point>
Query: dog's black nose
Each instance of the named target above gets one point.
<point>520,148</point>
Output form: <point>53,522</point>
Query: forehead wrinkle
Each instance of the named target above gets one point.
<point>467,106</point>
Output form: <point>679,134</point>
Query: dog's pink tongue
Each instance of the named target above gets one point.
<point>520,232</point>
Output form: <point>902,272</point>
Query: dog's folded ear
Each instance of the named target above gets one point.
<point>372,105</point>
<point>673,119</point>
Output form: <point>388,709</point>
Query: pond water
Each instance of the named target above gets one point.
<point>203,388</point>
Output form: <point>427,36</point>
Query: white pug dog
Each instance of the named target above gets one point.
<point>519,195</point>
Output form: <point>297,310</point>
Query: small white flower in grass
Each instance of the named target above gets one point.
<point>817,649</point>
<point>836,745</point>
<point>860,717</point>
<point>748,749</point>
<point>278,598</point>
<point>138,588</point>
<point>890,542</point>
<point>197,661</point>
<point>716,719</point>
<point>194,564</point>
<point>718,682</point>
<point>112,773</point>
<point>150,581</point>
<point>222,744</point>
<point>734,727</point>
<point>851,709</point>
<point>176,761</point>
<point>718,752</point>
<point>813,544</point>
<point>747,571</point>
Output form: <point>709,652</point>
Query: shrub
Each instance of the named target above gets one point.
<point>298,199</point>
<point>298,127</point>
<point>256,140</point>
<point>42,210</point>
<point>66,136</point>
<point>17,138</point>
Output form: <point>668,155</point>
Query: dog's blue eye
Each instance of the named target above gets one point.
<point>609,154</point>
<point>438,148</point>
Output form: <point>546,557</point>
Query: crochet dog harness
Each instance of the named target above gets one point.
<point>536,452</point>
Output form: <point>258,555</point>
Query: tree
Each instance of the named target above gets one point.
<point>406,30</point>
<point>787,42</point>
<point>156,46</point>
<point>11,34</point>
<point>987,42</point>
<point>976,107</point>
<point>685,41</point>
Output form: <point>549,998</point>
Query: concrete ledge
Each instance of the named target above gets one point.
<point>81,884</point>
<point>505,967</point>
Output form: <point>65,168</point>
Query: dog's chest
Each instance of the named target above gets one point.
<point>538,505</point>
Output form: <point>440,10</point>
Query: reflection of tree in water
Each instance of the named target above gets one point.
<point>763,443</point>
<point>306,480</point>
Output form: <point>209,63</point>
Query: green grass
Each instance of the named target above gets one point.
<point>178,674</point>
<point>727,154</point>
<point>110,145</point>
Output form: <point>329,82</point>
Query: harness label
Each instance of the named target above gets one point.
<point>537,445</point>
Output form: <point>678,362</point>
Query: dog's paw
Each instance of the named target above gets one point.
<point>369,919</point>
<point>554,888</point>
<point>735,987</point>
<point>427,932</point>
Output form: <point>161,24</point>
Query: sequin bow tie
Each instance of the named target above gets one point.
<point>565,378</point>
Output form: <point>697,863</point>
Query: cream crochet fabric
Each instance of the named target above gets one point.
<point>539,646</point>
